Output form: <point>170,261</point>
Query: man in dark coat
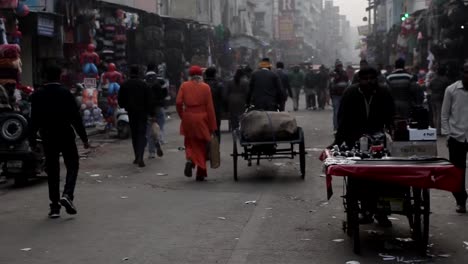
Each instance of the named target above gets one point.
<point>56,116</point>
<point>285,82</point>
<point>155,83</point>
<point>366,108</point>
<point>135,97</point>
<point>265,88</point>
<point>310,88</point>
<point>218,93</point>
<point>338,86</point>
<point>436,90</point>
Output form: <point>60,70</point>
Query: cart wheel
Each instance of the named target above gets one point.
<point>302,157</point>
<point>352,217</point>
<point>421,219</point>
<point>235,156</point>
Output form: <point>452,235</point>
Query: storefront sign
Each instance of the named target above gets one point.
<point>8,4</point>
<point>45,26</point>
<point>287,5</point>
<point>89,83</point>
<point>36,4</point>
<point>286,27</point>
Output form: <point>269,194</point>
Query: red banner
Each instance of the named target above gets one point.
<point>8,4</point>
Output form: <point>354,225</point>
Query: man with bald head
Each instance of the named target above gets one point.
<point>455,126</point>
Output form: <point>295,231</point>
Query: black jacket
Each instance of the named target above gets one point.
<point>135,96</point>
<point>353,118</point>
<point>55,114</point>
<point>285,82</point>
<point>218,94</point>
<point>265,90</point>
<point>158,94</point>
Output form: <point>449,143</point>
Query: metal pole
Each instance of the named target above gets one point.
<point>369,17</point>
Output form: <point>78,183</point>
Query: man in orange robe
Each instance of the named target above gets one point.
<point>196,110</point>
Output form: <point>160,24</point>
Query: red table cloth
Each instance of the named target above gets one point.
<point>420,173</point>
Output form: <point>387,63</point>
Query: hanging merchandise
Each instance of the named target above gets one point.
<point>3,38</point>
<point>22,10</point>
<point>89,60</point>
<point>8,4</point>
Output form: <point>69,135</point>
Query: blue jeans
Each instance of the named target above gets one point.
<point>336,102</point>
<point>161,120</point>
<point>150,138</point>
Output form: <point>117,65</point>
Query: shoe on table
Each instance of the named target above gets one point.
<point>461,209</point>
<point>54,212</point>
<point>68,204</point>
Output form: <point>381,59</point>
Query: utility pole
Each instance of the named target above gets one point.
<point>369,16</point>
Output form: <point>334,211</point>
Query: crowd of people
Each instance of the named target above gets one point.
<point>364,102</point>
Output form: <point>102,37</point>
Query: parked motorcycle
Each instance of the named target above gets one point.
<point>122,123</point>
<point>19,160</point>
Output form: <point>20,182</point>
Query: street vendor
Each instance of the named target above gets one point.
<point>366,109</point>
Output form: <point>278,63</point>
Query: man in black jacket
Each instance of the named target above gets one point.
<point>218,94</point>
<point>266,91</point>
<point>135,97</point>
<point>158,95</point>
<point>285,82</point>
<point>55,115</point>
<point>366,109</point>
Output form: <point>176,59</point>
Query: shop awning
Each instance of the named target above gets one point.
<point>246,41</point>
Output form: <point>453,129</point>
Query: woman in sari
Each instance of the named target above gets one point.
<point>196,110</point>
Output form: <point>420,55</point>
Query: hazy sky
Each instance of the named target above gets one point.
<point>355,10</point>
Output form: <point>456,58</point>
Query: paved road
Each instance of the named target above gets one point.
<point>156,215</point>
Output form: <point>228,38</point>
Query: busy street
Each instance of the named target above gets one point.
<point>156,215</point>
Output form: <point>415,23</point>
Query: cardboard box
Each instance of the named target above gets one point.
<point>413,148</point>
<point>422,134</point>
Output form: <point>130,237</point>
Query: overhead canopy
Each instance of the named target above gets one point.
<point>246,41</point>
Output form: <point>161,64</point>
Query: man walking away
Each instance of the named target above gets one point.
<point>296,78</point>
<point>323,80</point>
<point>265,88</point>
<point>157,112</point>
<point>455,125</point>
<point>403,89</point>
<point>337,88</point>
<point>56,116</point>
<point>436,89</point>
<point>135,97</point>
<point>310,88</point>
<point>218,95</point>
<point>285,82</point>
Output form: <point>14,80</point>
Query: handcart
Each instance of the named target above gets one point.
<point>412,177</point>
<point>269,150</point>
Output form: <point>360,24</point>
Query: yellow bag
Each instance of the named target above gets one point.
<point>214,155</point>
